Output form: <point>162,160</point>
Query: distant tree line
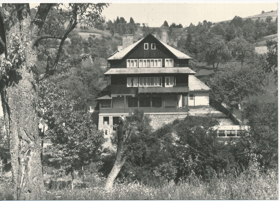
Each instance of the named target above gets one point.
<point>121,27</point>
<point>221,42</point>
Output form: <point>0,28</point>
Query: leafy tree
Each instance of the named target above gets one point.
<point>237,21</point>
<point>268,19</point>
<point>76,142</point>
<point>231,32</point>
<point>165,24</point>
<point>249,30</point>
<point>133,135</point>
<point>191,147</point>
<point>241,49</point>
<point>260,28</point>
<point>271,65</point>
<point>188,41</point>
<point>216,51</point>
<point>272,28</point>
<point>19,90</point>
<point>263,139</point>
<point>4,145</point>
<point>218,30</point>
<point>234,84</point>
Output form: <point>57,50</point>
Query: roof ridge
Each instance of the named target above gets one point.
<point>122,53</point>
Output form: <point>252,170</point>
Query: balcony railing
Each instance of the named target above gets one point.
<point>144,109</point>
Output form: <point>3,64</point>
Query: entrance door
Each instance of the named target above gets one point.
<point>185,101</point>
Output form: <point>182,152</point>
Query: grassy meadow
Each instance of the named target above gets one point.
<point>248,185</point>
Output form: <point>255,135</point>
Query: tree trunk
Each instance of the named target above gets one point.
<point>120,159</point>
<point>25,144</point>
<point>20,100</point>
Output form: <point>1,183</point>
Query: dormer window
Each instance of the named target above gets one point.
<point>146,46</point>
<point>153,46</point>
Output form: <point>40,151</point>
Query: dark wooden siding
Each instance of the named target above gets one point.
<point>181,62</point>
<point>161,52</point>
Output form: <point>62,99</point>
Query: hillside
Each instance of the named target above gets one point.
<point>262,16</point>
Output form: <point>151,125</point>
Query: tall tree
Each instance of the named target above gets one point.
<point>216,51</point>
<point>241,49</point>
<point>271,65</point>
<point>165,24</point>
<point>19,89</point>
<point>76,142</point>
<point>133,135</point>
<point>234,84</point>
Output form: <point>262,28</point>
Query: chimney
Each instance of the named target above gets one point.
<point>127,40</point>
<point>164,34</point>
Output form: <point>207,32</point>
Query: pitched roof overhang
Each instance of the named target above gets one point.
<point>104,98</point>
<point>130,71</point>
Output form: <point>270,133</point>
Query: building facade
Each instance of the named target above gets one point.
<point>151,76</point>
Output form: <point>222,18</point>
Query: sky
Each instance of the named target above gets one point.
<point>155,12</point>
<point>185,13</point>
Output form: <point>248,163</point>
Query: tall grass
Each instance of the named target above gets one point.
<point>249,185</point>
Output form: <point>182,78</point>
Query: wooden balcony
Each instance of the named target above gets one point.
<point>144,109</point>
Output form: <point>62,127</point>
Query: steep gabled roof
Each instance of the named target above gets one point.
<point>121,54</point>
<point>125,51</point>
<point>177,53</point>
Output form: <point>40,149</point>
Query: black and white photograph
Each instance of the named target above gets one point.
<point>138,100</point>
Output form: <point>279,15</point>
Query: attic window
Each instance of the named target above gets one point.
<point>153,46</point>
<point>146,46</point>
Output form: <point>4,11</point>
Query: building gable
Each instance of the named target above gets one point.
<point>144,49</point>
<point>137,50</point>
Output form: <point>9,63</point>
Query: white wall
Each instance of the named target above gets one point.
<point>200,99</point>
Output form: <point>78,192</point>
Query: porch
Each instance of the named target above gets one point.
<point>148,103</point>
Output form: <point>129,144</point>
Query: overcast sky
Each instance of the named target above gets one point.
<point>185,13</point>
<point>154,12</point>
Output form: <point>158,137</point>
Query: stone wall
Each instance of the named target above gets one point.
<point>159,119</point>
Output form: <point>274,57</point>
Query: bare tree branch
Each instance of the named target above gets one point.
<point>45,37</point>
<point>72,24</point>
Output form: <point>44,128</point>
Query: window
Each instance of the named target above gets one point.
<point>106,120</point>
<point>170,81</point>
<point>144,102</point>
<point>150,81</point>
<point>105,103</point>
<point>140,63</point>
<point>132,82</point>
<point>131,63</point>
<point>191,96</point>
<point>156,102</point>
<point>153,46</point>
<point>169,63</point>
<point>221,133</point>
<point>231,133</point>
<point>146,46</point>
<point>150,63</point>
<point>132,102</point>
